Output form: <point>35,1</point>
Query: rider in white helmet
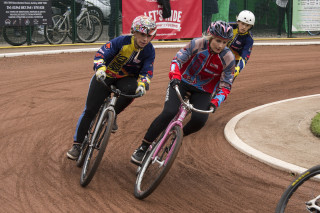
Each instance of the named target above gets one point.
<point>242,41</point>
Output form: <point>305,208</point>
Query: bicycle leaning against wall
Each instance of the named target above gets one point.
<point>89,27</point>
<point>17,35</point>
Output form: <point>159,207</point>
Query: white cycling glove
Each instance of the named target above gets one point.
<point>141,89</point>
<point>101,74</point>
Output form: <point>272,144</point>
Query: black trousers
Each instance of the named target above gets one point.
<point>282,11</point>
<point>96,95</point>
<point>199,99</point>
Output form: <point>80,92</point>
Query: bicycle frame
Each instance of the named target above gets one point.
<point>185,108</point>
<point>106,107</point>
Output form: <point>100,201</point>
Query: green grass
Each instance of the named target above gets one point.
<point>315,125</point>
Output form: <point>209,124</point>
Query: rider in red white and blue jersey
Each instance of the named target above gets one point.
<point>204,68</point>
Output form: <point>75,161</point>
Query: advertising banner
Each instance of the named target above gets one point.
<point>306,15</point>
<point>185,20</point>
<point>25,12</point>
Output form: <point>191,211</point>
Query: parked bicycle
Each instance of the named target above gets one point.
<point>162,153</point>
<point>17,35</point>
<point>303,194</point>
<point>97,138</point>
<point>89,27</point>
<point>313,33</point>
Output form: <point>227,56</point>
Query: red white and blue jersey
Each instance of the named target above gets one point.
<point>120,58</point>
<point>198,66</point>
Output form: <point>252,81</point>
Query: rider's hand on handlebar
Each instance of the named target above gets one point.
<point>174,82</point>
<point>101,75</point>
<point>237,71</point>
<point>141,89</point>
<point>212,106</point>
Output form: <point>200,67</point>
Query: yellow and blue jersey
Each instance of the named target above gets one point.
<point>120,58</point>
<point>241,46</point>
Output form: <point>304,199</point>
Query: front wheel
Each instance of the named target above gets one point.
<point>96,149</point>
<point>57,32</point>
<point>89,29</point>
<point>303,194</point>
<point>156,164</point>
<point>314,33</point>
<point>15,35</point>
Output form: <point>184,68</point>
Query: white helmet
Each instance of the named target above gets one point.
<point>246,16</point>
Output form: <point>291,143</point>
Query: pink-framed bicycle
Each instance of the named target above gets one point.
<point>162,153</point>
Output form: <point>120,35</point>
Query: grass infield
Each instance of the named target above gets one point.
<point>315,125</point>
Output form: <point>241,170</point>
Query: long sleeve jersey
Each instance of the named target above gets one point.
<point>119,58</point>
<point>198,66</point>
<point>241,46</point>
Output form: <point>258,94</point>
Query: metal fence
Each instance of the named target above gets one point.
<point>267,23</point>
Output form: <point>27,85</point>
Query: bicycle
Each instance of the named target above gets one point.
<point>303,194</point>
<point>313,33</point>
<point>89,27</point>
<point>97,138</point>
<point>17,35</point>
<point>162,153</point>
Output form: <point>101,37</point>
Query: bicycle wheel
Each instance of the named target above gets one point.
<point>313,33</point>
<point>57,32</point>
<point>89,29</point>
<point>153,170</point>
<point>302,195</point>
<point>15,35</point>
<point>83,153</point>
<point>96,151</point>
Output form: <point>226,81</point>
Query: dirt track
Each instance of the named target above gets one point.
<point>42,97</point>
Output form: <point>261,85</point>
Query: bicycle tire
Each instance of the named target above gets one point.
<point>15,35</point>
<point>151,175</point>
<point>95,152</point>
<point>89,29</point>
<point>83,153</point>
<point>313,33</point>
<point>297,195</point>
<point>56,32</point>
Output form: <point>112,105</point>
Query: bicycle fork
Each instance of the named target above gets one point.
<point>100,121</point>
<point>177,121</point>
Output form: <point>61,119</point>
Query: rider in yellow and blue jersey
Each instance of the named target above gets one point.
<point>126,62</point>
<point>242,41</point>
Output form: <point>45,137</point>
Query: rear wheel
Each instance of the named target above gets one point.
<point>96,149</point>
<point>155,166</point>
<point>303,194</point>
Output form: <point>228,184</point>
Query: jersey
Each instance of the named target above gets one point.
<point>241,46</point>
<point>120,58</point>
<point>198,66</point>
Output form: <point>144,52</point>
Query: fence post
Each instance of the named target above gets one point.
<point>29,35</point>
<point>117,19</point>
<point>289,33</point>
<point>74,21</point>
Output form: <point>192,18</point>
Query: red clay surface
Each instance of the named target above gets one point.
<point>43,96</point>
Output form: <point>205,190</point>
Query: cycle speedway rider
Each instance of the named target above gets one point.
<point>127,62</point>
<point>242,41</point>
<point>205,68</point>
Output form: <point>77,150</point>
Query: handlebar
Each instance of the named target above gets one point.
<point>117,92</point>
<point>190,106</point>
